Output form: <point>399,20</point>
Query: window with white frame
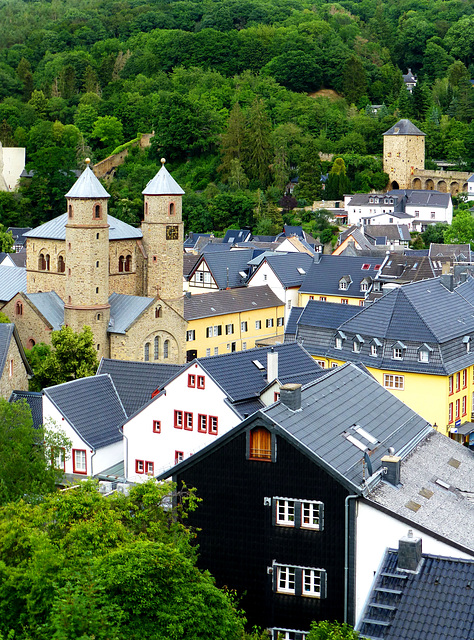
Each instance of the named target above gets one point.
<point>397,353</point>
<point>280,322</point>
<point>190,335</point>
<point>208,353</point>
<point>216,351</point>
<point>79,461</point>
<point>391,381</point>
<point>258,324</point>
<point>312,515</point>
<point>243,326</point>
<point>229,329</point>
<point>373,350</point>
<point>424,355</point>
<point>285,579</point>
<point>218,330</point>
<point>338,342</point>
<point>322,363</point>
<point>312,583</point>
<point>285,512</point>
<point>244,346</point>
<point>356,346</point>
<point>343,285</point>
<point>269,323</point>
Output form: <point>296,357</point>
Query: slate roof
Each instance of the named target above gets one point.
<point>7,332</point>
<point>226,265</point>
<point>189,262</point>
<point>124,310</point>
<point>460,252</point>
<point>237,235</point>
<point>403,268</point>
<point>19,257</point>
<point>55,229</point>
<point>423,197</point>
<point>192,238</point>
<point>436,602</point>
<point>87,186</point>
<point>404,128</point>
<point>327,314</point>
<point>324,276</point>
<point>390,231</point>
<point>162,184</point>
<point>293,318</point>
<point>241,379</point>
<point>357,236</point>
<point>50,305</point>
<point>136,381</point>
<point>35,402</point>
<point>447,511</point>
<point>216,303</point>
<point>18,232</point>
<point>12,280</point>
<point>330,406</point>
<point>285,266</point>
<point>92,407</point>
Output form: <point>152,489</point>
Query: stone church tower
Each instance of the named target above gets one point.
<point>162,229</point>
<point>403,153</point>
<point>87,259</point>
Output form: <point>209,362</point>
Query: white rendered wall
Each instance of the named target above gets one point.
<point>442,214</point>
<point>265,275</point>
<point>140,441</point>
<point>13,165</point>
<point>375,532</point>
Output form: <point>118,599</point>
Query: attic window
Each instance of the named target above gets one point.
<point>301,271</point>
<point>467,341</point>
<point>260,444</point>
<point>351,433</point>
<point>377,267</point>
<point>365,266</point>
<point>258,364</point>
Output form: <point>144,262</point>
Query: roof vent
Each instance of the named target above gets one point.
<point>409,552</point>
<point>290,395</point>
<point>392,464</point>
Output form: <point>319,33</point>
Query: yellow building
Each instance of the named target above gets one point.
<point>232,320</point>
<point>416,341</point>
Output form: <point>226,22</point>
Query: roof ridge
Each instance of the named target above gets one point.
<point>400,289</point>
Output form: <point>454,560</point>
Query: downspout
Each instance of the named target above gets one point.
<point>125,461</point>
<point>92,462</point>
<point>346,553</point>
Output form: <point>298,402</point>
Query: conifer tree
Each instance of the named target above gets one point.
<point>232,140</point>
<point>256,147</point>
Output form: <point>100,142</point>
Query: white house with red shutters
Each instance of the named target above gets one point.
<point>90,413</point>
<point>206,399</point>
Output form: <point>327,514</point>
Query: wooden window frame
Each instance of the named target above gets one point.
<point>201,382</point>
<point>213,425</point>
<point>191,380</point>
<point>140,466</point>
<point>188,421</point>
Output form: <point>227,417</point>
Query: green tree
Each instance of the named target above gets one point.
<point>6,240</point>
<point>337,183</point>
<point>109,130</point>
<point>461,230</point>
<point>257,150</point>
<point>73,356</point>
<point>309,186</point>
<point>332,631</point>
<point>232,140</point>
<point>354,81</point>
<point>227,209</point>
<point>405,103</point>
<point>23,71</point>
<point>30,450</point>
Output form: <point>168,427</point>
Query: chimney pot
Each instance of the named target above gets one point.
<point>290,395</point>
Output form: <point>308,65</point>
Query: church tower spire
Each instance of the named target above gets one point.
<point>162,229</point>
<point>87,259</point>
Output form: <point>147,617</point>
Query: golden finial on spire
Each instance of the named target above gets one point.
<point>87,161</point>
<point>163,161</point>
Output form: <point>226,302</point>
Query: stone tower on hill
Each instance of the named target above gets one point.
<point>403,153</point>
<point>87,268</point>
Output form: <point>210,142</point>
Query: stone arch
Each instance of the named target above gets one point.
<point>161,344</point>
<point>97,211</point>
<point>429,185</point>
<point>394,185</point>
<point>454,188</point>
<point>61,264</point>
<point>416,183</point>
<point>465,187</point>
<point>30,344</point>
<point>441,186</point>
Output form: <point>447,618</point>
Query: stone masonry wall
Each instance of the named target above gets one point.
<point>19,377</point>
<point>402,155</point>
<point>30,325</point>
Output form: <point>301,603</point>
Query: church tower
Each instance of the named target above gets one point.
<point>162,229</point>
<point>403,153</point>
<point>87,259</point>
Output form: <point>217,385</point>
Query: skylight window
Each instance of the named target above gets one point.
<point>365,434</point>
<point>365,267</point>
<point>301,271</point>
<point>258,364</point>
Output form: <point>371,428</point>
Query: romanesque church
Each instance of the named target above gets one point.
<point>85,267</point>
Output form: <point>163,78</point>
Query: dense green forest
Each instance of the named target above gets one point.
<point>242,96</point>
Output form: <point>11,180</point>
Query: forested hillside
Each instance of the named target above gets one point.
<point>242,96</point>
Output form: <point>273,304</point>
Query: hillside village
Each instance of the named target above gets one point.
<point>234,361</point>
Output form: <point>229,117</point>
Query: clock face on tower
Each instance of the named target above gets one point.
<point>172,232</point>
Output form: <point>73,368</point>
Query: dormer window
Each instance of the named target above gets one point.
<point>339,340</point>
<point>344,283</point>
<point>467,341</point>
<point>424,353</point>
<point>398,351</point>
<point>371,199</point>
<point>375,345</point>
<point>357,343</point>
<point>365,284</point>
<point>261,445</point>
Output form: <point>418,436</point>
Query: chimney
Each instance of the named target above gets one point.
<point>392,464</point>
<point>272,365</point>
<point>290,395</point>
<point>409,552</point>
<point>447,280</point>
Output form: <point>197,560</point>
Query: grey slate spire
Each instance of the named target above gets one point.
<point>87,186</point>
<point>163,184</point>
<point>404,128</point>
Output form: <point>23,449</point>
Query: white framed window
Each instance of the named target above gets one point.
<point>288,634</point>
<point>280,322</point>
<point>423,355</point>
<point>356,346</point>
<point>393,381</point>
<point>312,515</point>
<point>209,332</point>
<point>218,330</point>
<point>312,583</point>
<point>208,353</point>
<point>79,461</point>
<point>243,326</point>
<point>285,512</point>
<point>244,346</point>
<point>288,304</point>
<point>342,285</point>
<point>338,342</point>
<point>216,351</point>
<point>229,329</point>
<point>397,353</point>
<point>285,580</point>
<point>373,350</point>
<point>258,324</point>
<point>269,323</point>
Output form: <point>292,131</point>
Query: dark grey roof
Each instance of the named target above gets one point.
<point>7,332</point>
<point>50,305</point>
<point>237,235</point>
<point>327,314</point>
<point>324,276</point>
<point>19,258</point>
<point>124,311</point>
<point>357,236</point>
<point>404,128</point>
<point>293,318</point>
<point>92,407</point>
<point>225,266</point>
<point>247,407</point>
<point>286,265</point>
<point>12,280</point>
<point>55,229</point>
<point>87,186</point>
<point>189,262</point>
<point>330,407</point>
<point>136,381</point>
<point>460,252</point>
<point>449,512</point>
<point>423,197</point>
<point>35,402</point>
<point>18,232</point>
<point>436,602</point>
<point>403,268</point>
<point>390,231</point>
<point>241,379</point>
<point>162,184</point>
<point>192,238</point>
<point>205,305</point>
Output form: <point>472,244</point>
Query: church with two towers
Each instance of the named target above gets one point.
<point>87,268</point>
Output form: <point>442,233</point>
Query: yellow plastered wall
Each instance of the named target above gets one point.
<point>426,394</point>
<point>228,342</point>
<point>305,297</point>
